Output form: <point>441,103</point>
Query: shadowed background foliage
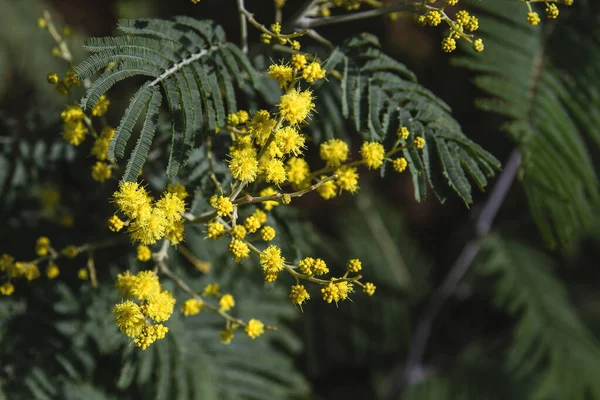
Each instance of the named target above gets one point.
<point>522,323</point>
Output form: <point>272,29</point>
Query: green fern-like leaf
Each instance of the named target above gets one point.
<point>379,95</point>
<point>549,335</point>
<point>543,96</point>
<point>192,63</point>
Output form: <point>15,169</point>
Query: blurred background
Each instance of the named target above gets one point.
<point>58,340</point>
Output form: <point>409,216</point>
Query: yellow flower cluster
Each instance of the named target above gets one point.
<point>101,171</point>
<point>74,129</point>
<point>77,126</point>
<point>148,220</point>
<point>462,27</point>
<point>272,262</point>
<point>192,307</point>
<point>274,33</point>
<point>42,246</point>
<point>11,269</point>
<point>62,86</point>
<point>551,11</point>
<point>142,321</point>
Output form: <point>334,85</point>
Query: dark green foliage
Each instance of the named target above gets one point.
<point>371,331</point>
<point>193,64</point>
<point>475,375</point>
<point>550,103</point>
<point>549,336</point>
<point>379,95</point>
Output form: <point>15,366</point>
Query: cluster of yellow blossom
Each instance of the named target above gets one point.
<point>253,328</point>
<point>142,321</point>
<point>77,126</point>
<point>274,33</point>
<point>268,148</point>
<point>336,154</point>
<point>13,270</point>
<point>74,129</point>
<point>551,11</point>
<point>461,27</point>
<point>30,270</point>
<point>148,220</point>
<point>63,86</point>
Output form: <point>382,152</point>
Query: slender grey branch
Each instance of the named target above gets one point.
<point>243,26</point>
<point>413,370</point>
<point>176,67</point>
<point>306,9</point>
<point>304,22</point>
<point>490,210</point>
<point>315,35</point>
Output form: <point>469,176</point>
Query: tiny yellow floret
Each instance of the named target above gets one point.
<point>124,284</point>
<point>100,148</point>
<point>101,171</point>
<point>372,154</point>
<point>244,165</point>
<point>52,78</point>
<point>299,295</point>
<point>369,288</point>
<point>178,190</point>
<point>334,152</point>
<point>215,230</point>
<point>347,179</point>
<point>115,224</point>
<point>327,190</point>
<point>282,74</point>
<point>252,224</point>
<point>433,18</point>
<point>145,286</point>
<point>403,133</point>
<point>144,253</point>
<point>313,72</point>
<point>160,306</point>
<point>129,317</point>
<point>7,288</point>
<point>261,126</point>
<point>42,246</point>
<point>297,170</point>
<point>101,107</point>
<point>552,11</point>
<point>254,328</point>
<point>419,142</point>
<point>192,307</point>
<point>83,274</point>
<point>239,249</point>
<point>239,232</point>
<point>52,271</point>
<point>296,106</point>
<point>267,233</point>
<point>298,61</point>
<point>222,204</point>
<point>400,164</point>
<point>271,259</point>
<point>132,199</point>
<point>70,251</point>
<point>533,18</point>
<point>226,302</point>
<point>212,289</point>
<point>354,265</point>
<point>448,45</point>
